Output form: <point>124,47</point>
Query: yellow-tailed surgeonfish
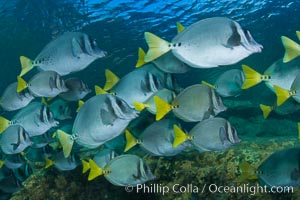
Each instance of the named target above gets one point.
<point>140,84</point>
<point>60,162</point>
<point>123,170</point>
<point>77,90</point>
<point>207,43</point>
<point>71,52</point>
<point>214,134</point>
<point>280,169</point>
<point>101,118</point>
<point>12,100</point>
<point>283,94</point>
<point>14,161</point>
<point>292,48</point>
<point>43,84</point>
<point>14,140</point>
<point>36,119</point>
<point>157,139</point>
<point>279,73</point>
<point>40,141</point>
<point>103,157</point>
<point>167,63</point>
<point>195,103</point>
<point>165,94</point>
<point>229,83</point>
<point>60,109</point>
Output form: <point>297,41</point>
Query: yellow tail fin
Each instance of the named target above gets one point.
<point>1,163</point>
<point>208,84</point>
<point>141,58</point>
<point>80,104</point>
<point>140,106</point>
<point>26,65</point>
<point>179,136</point>
<point>298,34</point>
<point>248,172</point>
<point>292,49</point>
<point>180,27</point>
<point>49,163</point>
<point>66,142</point>
<point>157,47</point>
<point>95,170</point>
<point>130,140</point>
<point>282,94</point>
<point>111,80</point>
<point>4,124</point>
<point>252,77</point>
<point>44,101</point>
<point>266,110</point>
<point>99,90</point>
<point>85,166</point>
<point>21,84</point>
<point>162,107</point>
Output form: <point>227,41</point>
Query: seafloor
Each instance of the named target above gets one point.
<point>190,168</point>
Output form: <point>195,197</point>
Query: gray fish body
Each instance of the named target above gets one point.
<point>36,119</point>
<point>212,42</point>
<point>282,74</point>
<point>196,103</point>
<point>103,157</point>
<point>71,52</point>
<point>139,84</point>
<point>77,90</point>
<point>230,83</point>
<point>214,134</point>
<point>14,140</point>
<point>281,168</point>
<point>65,164</point>
<point>46,84</point>
<point>157,139</point>
<point>100,119</point>
<point>128,170</point>
<point>60,109</point>
<point>170,64</point>
<point>12,100</point>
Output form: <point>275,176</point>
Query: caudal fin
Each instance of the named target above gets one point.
<point>95,170</point>
<point>85,166</point>
<point>252,77</point>
<point>4,124</point>
<point>22,84</point>
<point>179,136</point>
<point>141,58</point>
<point>208,84</point>
<point>111,80</point>
<point>266,110</point>
<point>162,107</point>
<point>66,142</point>
<point>140,106</point>
<point>26,65</point>
<point>80,104</point>
<point>292,49</point>
<point>282,94</point>
<point>157,47</point>
<point>180,27</point>
<point>131,141</point>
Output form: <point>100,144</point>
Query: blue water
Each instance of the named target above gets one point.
<point>26,26</point>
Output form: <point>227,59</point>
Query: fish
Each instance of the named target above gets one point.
<point>23,172</point>
<point>60,109</point>
<point>208,43</point>
<point>214,134</point>
<point>61,162</point>
<point>43,84</point>
<point>104,156</point>
<point>229,83</point>
<point>71,52</point>
<point>10,184</point>
<point>157,139</point>
<point>100,119</point>
<point>292,48</point>
<point>13,161</point>
<point>36,119</point>
<point>123,170</point>
<point>283,94</point>
<point>281,168</point>
<point>40,141</point>
<point>279,73</point>
<point>195,103</point>
<point>34,155</point>
<point>165,94</point>
<point>77,90</point>
<point>14,140</point>
<point>140,84</point>
<point>167,63</point>
<point>12,100</point>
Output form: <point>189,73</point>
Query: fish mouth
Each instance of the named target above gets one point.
<point>250,44</point>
